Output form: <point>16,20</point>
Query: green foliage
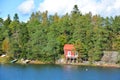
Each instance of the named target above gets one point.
<point>5,45</point>
<point>16,18</point>
<point>44,36</point>
<point>7,21</point>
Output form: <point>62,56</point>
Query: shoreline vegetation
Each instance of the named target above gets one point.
<point>41,39</point>
<point>3,60</point>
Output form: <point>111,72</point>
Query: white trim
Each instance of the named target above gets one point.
<point>69,54</point>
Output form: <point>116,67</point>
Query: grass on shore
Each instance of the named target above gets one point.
<point>5,59</point>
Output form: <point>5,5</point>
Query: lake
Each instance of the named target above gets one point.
<point>57,72</point>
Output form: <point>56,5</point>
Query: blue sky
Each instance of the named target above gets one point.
<point>24,8</point>
<point>12,6</point>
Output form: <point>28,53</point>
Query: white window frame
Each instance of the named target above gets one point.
<point>69,53</point>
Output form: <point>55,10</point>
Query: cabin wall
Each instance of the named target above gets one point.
<point>69,54</point>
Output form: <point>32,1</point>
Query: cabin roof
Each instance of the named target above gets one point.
<point>69,47</point>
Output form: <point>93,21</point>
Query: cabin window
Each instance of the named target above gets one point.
<point>69,53</point>
<point>76,53</point>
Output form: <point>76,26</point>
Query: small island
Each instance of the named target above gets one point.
<point>95,40</point>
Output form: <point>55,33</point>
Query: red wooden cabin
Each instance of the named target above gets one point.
<point>69,51</point>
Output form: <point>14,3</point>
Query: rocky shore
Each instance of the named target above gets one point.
<point>96,64</point>
<point>5,59</point>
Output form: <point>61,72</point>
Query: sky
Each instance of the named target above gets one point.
<point>24,8</point>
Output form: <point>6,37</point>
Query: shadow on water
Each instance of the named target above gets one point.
<point>56,72</point>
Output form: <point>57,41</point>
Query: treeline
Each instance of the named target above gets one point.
<point>44,36</point>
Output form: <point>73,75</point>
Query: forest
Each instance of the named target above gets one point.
<point>43,36</point>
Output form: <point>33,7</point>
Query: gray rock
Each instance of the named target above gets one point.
<point>110,56</point>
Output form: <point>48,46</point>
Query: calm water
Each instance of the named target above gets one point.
<point>57,72</point>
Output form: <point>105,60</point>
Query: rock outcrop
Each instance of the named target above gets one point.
<point>110,57</point>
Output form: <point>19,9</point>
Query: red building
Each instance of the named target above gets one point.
<point>70,52</point>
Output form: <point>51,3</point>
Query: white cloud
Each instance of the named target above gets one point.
<point>109,8</point>
<point>102,7</point>
<point>4,18</point>
<point>26,7</point>
<point>53,6</point>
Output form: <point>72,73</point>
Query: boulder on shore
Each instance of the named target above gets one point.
<point>110,57</point>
